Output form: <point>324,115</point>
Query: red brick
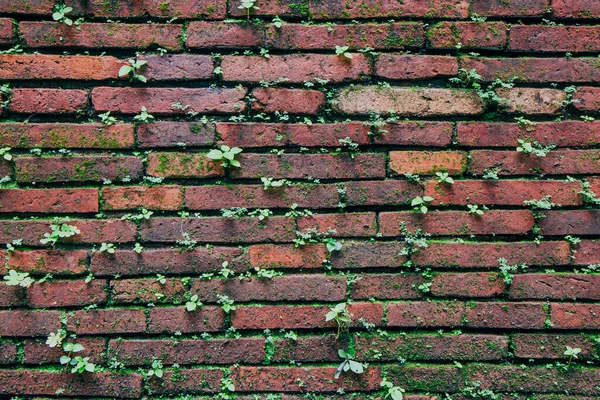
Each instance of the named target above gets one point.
<point>107,321</point>
<point>536,38</point>
<point>284,288</point>
<point>177,319</point>
<point>282,8</point>
<point>127,100</point>
<point>470,35</point>
<point>574,222</point>
<point>53,135</point>
<point>36,8</point>
<point>295,68</point>
<point>42,262</point>
<point>486,255</point>
<point>38,352</point>
<point>425,314</point>
<point>421,133</point>
<point>170,134</point>
<point>144,291</point>
<point>388,192</point>
<point>432,378</point>
<point>78,168</point>
<point>11,296</point>
<point>586,99</point>
<point>215,197</point>
<point>528,69</point>
<point>49,200</point>
<point>287,256</point>
<point>39,382</point>
<point>427,163</point>
<point>48,101</point>
<point>575,316</point>
<point>6,31</point>
<point>409,67</point>
<point>211,35</point>
<point>432,347</point>
<point>551,346</point>
<point>214,351</point>
<point>101,35</point>
<point>557,162</point>
<point>475,284</point>
<point>306,349</point>
<point>300,317</point>
<point>141,8</point>
<point>187,381</point>
<point>555,286</point>
<point>218,230</point>
<point>177,67</point>
<point>296,379</point>
<point>587,252</point>
<point>8,353</point>
<point>150,197</point>
<point>66,293</point>
<point>386,286</point>
<point>49,66</point>
<point>363,100</point>
<point>92,231</point>
<point>291,135</point>
<point>167,261</point>
<point>515,8</point>
<point>500,134</point>
<point>532,101</point>
<point>503,192</point>
<point>183,165</point>
<point>506,315</point>
<point>369,255</point>
<point>344,225</point>
<point>6,168</point>
<point>302,166</point>
<point>377,36</point>
<point>28,323</point>
<point>293,101</point>
<point>575,9</point>
<point>333,9</point>
<point>497,222</point>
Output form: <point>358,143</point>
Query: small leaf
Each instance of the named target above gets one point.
<point>356,367</point>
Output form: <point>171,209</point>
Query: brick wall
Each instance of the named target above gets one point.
<point>417,187</point>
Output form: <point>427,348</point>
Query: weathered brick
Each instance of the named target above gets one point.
<point>293,101</point>
<point>587,252</point>
<point>11,296</point>
<point>362,100</point>
<point>378,36</point>
<point>421,133</point>
<point>334,9</point>
<point>39,382</point>
<point>8,353</point>
<point>369,255</point>
<point>101,35</point>
<point>38,352</point>
<point>505,315</point>
<point>458,222</point>
<point>532,101</point>
<point>425,314</point>
<point>107,321</point>
<point>515,8</point>
<point>555,286</point>
<point>38,7</point>
<point>28,323</point>
<point>302,166</point>
<point>409,67</point>
<point>177,67</point>
<point>470,35</point>
<point>586,99</point>
<point>386,286</point>
<point>78,169</point>
<point>42,262</point>
<point>557,162</point>
<point>282,8</point>
<point>427,163</point>
<point>149,197</point>
<point>583,9</point>
<point>471,284</point>
<point>295,68</point>
<point>211,35</point>
<point>49,66</point>
<point>58,135</point>
<point>144,291</point>
<point>482,255</point>
<point>127,100</point>
<point>6,31</point>
<point>432,378</point>
<point>575,316</point>
<point>306,349</point>
<point>188,351</point>
<point>187,381</point>
<point>167,261</point>
<point>300,317</point>
<point>183,165</point>
<point>341,225</point>
<point>503,192</point>
<point>284,288</point>
<point>156,8</point>
<point>287,256</point>
<point>67,293</point>
<point>388,192</point>
<point>48,101</point>
<point>551,346</point>
<point>177,319</point>
<point>291,135</point>
<point>171,134</point>
<point>542,38</point>
<point>574,222</point>
<point>49,200</point>
<point>215,197</point>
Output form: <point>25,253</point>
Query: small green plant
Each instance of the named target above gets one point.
<point>277,22</point>
<point>270,183</point>
<point>4,152</point>
<point>261,213</point>
<point>79,364</point>
<point>391,391</point>
<point>507,272</point>
<point>332,245</point>
<point>343,51</point>
<point>527,147</point>
<point>249,6</point>
<point>475,210</point>
<point>15,278</point>
<point>226,303</point>
<point>541,204</point>
<point>572,353</point>
<point>107,248</point>
<point>420,203</point>
<point>341,316</point>
<point>156,369</point>
<point>60,230</point>
<point>443,177</point>
<point>234,212</point>
<point>143,116</point>
<point>107,119</point>
<point>193,303</point>
<point>60,14</point>
<point>227,155</point>
<point>491,173</point>
<point>348,363</point>
<point>133,70</point>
